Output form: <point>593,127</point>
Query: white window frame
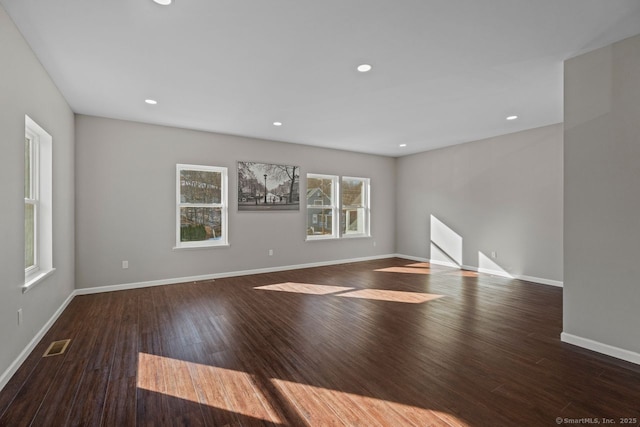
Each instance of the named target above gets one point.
<point>42,199</point>
<point>223,205</point>
<point>366,205</point>
<point>335,213</point>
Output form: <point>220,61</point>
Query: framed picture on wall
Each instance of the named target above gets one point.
<point>268,187</point>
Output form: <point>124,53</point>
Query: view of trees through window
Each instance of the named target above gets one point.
<point>201,216</point>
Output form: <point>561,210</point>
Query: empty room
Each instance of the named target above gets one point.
<point>333,213</point>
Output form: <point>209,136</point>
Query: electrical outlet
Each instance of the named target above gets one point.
<point>125,264</point>
<point>270,252</point>
<point>19,316</point>
<point>494,254</point>
<point>374,243</point>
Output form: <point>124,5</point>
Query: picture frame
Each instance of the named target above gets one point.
<point>268,187</point>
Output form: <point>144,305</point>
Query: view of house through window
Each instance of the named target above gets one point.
<point>337,210</point>
<point>321,206</point>
<point>201,206</point>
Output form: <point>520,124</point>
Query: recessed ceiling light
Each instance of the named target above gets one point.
<point>402,145</point>
<point>151,101</point>
<point>163,2</point>
<point>277,123</point>
<point>512,117</point>
<point>363,68</point>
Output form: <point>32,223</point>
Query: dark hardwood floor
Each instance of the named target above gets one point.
<point>379,343</point>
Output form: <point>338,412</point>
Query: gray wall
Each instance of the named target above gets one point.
<point>500,195</point>
<point>125,204</point>
<point>25,88</point>
<point>602,196</point>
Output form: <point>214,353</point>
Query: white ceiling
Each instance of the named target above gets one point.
<point>444,71</point>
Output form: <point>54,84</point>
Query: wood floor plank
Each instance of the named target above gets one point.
<point>180,395</point>
<point>216,408</point>
<point>89,403</point>
<point>56,406</point>
<point>120,402</point>
<point>150,405</point>
<point>125,359</point>
<point>28,399</point>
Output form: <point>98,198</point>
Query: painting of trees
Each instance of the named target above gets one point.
<point>266,186</point>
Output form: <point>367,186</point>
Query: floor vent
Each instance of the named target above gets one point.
<point>56,348</point>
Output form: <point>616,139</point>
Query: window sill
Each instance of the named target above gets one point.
<point>343,237</point>
<point>35,279</point>
<point>189,248</point>
<point>320,238</point>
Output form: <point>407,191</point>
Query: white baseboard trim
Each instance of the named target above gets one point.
<point>411,257</point>
<point>523,277</point>
<point>8,373</point>
<point>445,264</point>
<point>146,284</point>
<point>556,283</point>
<point>609,350</point>
<point>499,273</point>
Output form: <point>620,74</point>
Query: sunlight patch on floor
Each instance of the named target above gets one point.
<point>408,270</point>
<point>225,389</point>
<point>463,273</point>
<point>426,268</point>
<point>419,265</point>
<point>354,409</point>
<point>304,288</point>
<point>391,296</point>
<point>236,392</point>
<point>347,292</point>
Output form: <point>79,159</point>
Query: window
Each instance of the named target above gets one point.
<point>323,218</point>
<point>201,208</point>
<point>322,209</point>
<point>38,229</point>
<point>355,207</point>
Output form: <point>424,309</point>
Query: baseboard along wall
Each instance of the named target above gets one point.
<point>598,347</point>
<point>499,273</point>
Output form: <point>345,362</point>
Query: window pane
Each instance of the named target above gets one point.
<point>353,220</point>
<point>355,206</point>
<point>319,192</point>
<point>27,168</point>
<point>200,186</point>
<point>319,221</point>
<point>29,235</point>
<point>198,224</point>
<point>352,192</point>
